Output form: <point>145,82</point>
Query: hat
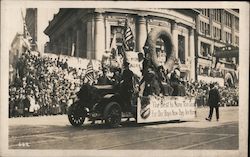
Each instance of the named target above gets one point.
<point>126,63</point>
<point>211,85</point>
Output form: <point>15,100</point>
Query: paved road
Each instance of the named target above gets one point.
<point>55,132</point>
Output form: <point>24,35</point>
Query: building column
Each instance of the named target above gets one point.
<point>222,25</point>
<point>211,16</point>
<point>107,35</point>
<point>74,40</point>
<point>192,54</point>
<point>233,30</point>
<point>69,42</point>
<point>174,30</point>
<point>99,32</point>
<point>198,24</point>
<point>141,35</point>
<point>65,44</point>
<point>90,39</point>
<point>77,44</point>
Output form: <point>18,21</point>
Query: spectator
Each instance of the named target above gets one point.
<point>213,102</point>
<point>43,76</point>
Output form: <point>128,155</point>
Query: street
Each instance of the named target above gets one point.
<point>55,132</point>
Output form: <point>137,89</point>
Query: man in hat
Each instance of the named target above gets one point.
<point>213,102</point>
<point>127,88</point>
<point>103,79</point>
<point>175,82</point>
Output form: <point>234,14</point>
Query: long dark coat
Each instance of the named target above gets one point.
<point>214,98</point>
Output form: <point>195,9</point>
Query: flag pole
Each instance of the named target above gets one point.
<point>24,34</point>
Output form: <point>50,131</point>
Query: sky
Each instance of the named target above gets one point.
<point>13,23</point>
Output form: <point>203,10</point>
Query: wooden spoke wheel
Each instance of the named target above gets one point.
<point>76,116</point>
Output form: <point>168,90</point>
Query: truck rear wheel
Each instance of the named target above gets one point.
<point>113,114</point>
<point>76,116</point>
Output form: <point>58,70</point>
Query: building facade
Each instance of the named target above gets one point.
<point>31,23</point>
<point>197,34</point>
<point>216,29</point>
<point>88,33</point>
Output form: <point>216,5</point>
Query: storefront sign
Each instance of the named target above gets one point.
<point>165,108</point>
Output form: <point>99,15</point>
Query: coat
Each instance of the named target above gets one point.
<point>214,98</point>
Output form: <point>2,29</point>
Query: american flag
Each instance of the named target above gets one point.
<point>90,71</point>
<point>25,29</point>
<point>128,39</point>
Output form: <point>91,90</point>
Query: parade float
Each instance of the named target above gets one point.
<point>107,102</point>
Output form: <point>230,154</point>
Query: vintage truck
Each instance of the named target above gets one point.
<point>106,102</point>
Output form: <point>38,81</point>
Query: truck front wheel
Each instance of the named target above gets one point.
<point>76,116</point>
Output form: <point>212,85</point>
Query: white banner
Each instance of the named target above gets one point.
<point>165,108</point>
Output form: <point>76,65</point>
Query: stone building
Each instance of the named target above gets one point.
<point>216,29</point>
<point>87,33</point>
<point>31,23</point>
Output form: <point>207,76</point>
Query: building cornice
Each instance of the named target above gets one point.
<point>154,13</point>
<point>232,12</point>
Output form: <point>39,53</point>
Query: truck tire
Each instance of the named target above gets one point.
<point>76,115</point>
<point>162,33</point>
<point>112,114</point>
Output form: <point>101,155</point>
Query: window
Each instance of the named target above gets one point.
<point>204,28</point>
<point>237,23</point>
<point>181,48</point>
<point>205,50</point>
<point>228,37</point>
<point>217,33</point>
<point>237,40</point>
<point>228,19</point>
<point>205,12</point>
<point>118,30</point>
<point>217,15</point>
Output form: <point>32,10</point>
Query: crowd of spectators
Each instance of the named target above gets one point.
<point>47,86</point>
<point>200,90</point>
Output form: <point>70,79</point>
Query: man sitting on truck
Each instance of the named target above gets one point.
<point>104,79</point>
<point>152,84</point>
<point>127,88</point>
<point>175,81</point>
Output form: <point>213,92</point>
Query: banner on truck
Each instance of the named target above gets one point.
<point>165,108</point>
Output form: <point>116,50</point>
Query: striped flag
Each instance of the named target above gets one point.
<point>90,71</point>
<point>128,38</point>
<point>25,29</point>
